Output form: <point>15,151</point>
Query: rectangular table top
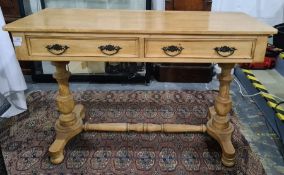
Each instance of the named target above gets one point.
<point>140,22</point>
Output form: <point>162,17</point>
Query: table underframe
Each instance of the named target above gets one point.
<point>70,122</point>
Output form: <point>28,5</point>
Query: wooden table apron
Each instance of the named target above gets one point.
<point>63,35</point>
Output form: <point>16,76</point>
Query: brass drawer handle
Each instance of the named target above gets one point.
<point>225,51</point>
<point>172,50</point>
<point>56,49</point>
<point>109,49</point>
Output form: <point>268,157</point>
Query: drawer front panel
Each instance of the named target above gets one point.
<point>199,48</point>
<point>83,47</point>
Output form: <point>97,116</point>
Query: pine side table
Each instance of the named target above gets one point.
<point>63,35</point>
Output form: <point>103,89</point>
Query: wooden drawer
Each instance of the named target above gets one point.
<point>82,46</point>
<point>200,48</point>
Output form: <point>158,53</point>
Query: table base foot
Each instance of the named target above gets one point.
<point>64,134</point>
<point>224,138</point>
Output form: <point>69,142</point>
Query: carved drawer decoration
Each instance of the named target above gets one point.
<point>200,48</point>
<point>83,46</point>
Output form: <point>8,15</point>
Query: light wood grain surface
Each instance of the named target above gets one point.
<point>62,35</point>
<point>142,22</point>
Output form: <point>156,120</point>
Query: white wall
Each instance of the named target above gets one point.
<point>268,11</point>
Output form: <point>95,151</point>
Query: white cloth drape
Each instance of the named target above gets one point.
<point>98,4</point>
<point>158,5</point>
<point>268,11</point>
<point>12,83</point>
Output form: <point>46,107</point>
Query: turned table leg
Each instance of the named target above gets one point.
<point>219,126</point>
<point>70,121</point>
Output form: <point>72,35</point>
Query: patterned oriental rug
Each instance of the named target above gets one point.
<point>26,140</point>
